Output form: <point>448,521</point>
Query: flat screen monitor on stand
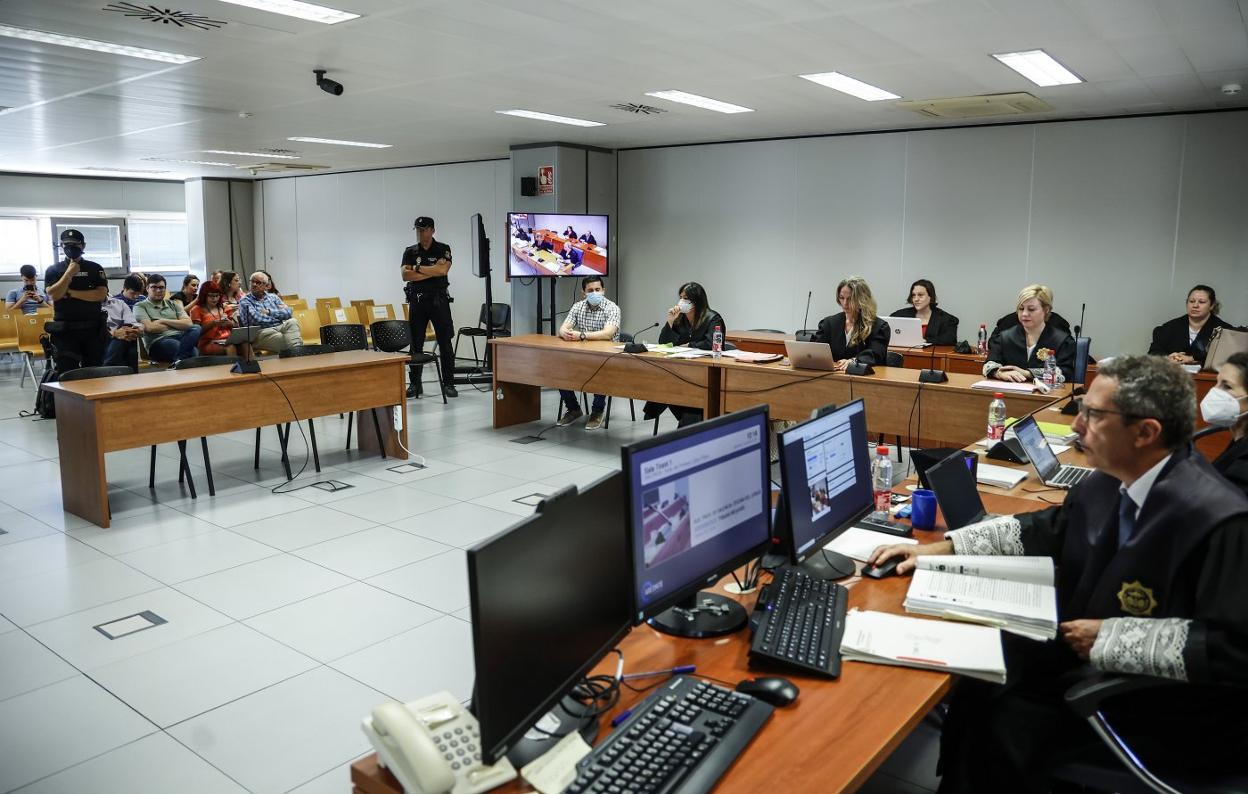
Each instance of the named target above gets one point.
<point>825,487</point>
<point>549,598</point>
<point>698,507</point>
<point>480,373</point>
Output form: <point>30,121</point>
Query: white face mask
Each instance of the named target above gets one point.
<point>684,305</point>
<point>1220,408</point>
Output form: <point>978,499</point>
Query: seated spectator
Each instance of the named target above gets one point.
<point>168,333</point>
<point>1226,405</point>
<point>188,294</point>
<point>133,290</point>
<point>231,287</point>
<point>588,238</point>
<point>1014,354</point>
<point>29,298</point>
<point>278,328</point>
<point>272,284</point>
<point>124,331</point>
<point>216,321</point>
<point>1185,340</point>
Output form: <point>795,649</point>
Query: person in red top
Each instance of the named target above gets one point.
<point>216,319</point>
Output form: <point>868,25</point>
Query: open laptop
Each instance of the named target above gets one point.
<point>1051,472</point>
<point>809,355</point>
<point>953,480</point>
<point>907,332</point>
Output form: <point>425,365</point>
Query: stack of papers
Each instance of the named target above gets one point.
<point>858,543</point>
<point>1014,594</point>
<point>881,638</point>
<point>1004,385</point>
<point>1054,432</point>
<point>1000,476</point>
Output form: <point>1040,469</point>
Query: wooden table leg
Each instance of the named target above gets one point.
<point>84,487</point>
<point>366,433</point>
<point>519,403</point>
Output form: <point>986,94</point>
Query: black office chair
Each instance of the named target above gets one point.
<point>1083,356</point>
<point>500,321</point>
<point>283,430</point>
<point>87,373</point>
<point>396,336</point>
<point>351,336</point>
<point>1121,769</point>
<point>184,466</point>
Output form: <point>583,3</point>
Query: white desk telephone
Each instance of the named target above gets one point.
<point>433,746</point>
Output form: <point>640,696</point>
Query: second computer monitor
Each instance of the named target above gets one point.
<point>699,507</point>
<point>826,485</point>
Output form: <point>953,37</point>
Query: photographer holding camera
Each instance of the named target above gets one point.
<point>29,297</point>
<point>77,288</point>
<point>424,269</point>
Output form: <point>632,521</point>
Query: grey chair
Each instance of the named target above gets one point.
<point>499,317</point>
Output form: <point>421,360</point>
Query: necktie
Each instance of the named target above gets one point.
<point>1126,519</point>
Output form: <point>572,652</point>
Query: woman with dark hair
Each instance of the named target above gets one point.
<point>1226,405</point>
<point>189,294</point>
<point>939,326</point>
<point>691,323</point>
<point>1186,339</point>
<point>856,333</point>
<point>216,319</point>
<point>231,287</point>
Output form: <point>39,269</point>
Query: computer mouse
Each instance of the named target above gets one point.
<point>774,690</point>
<point>886,568</point>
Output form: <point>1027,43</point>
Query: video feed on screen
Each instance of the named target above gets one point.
<point>552,245</point>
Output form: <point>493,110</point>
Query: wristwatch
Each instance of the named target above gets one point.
<point>582,336</point>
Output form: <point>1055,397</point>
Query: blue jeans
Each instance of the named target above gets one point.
<point>569,400</point>
<point>122,353</point>
<point>176,348</point>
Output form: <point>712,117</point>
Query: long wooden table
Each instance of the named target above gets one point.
<point>524,364</point>
<point>109,414</point>
<point>832,739</point>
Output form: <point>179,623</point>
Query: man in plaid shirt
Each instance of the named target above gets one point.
<point>594,318</point>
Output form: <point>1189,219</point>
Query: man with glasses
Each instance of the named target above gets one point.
<point>279,330</point>
<point>168,333</point>
<point>1151,554</point>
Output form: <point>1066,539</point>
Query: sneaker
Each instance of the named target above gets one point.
<point>595,422</point>
<point>449,390</point>
<point>570,416</point>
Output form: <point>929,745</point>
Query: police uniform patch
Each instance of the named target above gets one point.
<point>1136,599</point>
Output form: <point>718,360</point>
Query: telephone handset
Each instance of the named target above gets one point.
<point>433,746</point>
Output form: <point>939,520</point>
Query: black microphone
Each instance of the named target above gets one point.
<point>931,374</point>
<point>806,319</point>
<point>247,365</point>
<point>1079,328</point>
<point>635,346</point>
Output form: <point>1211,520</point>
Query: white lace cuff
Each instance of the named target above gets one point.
<point>991,367</point>
<point>1143,646</point>
<point>1002,535</point>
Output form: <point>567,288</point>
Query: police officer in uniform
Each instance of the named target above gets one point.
<point>424,269</point>
<point>78,289</point>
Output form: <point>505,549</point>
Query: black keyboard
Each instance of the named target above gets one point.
<point>681,739</point>
<point>802,623</point>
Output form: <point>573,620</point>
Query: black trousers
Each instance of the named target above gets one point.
<point>434,308</point>
<point>80,347</point>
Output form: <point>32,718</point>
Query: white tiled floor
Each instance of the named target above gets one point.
<point>289,616</point>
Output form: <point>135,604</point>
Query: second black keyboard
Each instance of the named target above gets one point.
<point>803,620</point>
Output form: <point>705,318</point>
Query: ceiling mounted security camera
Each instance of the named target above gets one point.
<point>325,84</point>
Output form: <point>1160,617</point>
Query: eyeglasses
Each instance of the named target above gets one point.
<point>1088,413</point>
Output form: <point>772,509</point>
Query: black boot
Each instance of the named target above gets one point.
<point>414,388</point>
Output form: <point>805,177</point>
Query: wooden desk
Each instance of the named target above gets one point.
<point>832,739</point>
<point>109,414</point>
<point>952,412</point>
<point>524,364</point>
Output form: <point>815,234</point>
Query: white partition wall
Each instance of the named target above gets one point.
<point>1123,214</point>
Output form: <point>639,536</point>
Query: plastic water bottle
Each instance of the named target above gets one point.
<point>882,482</point>
<point>996,417</point>
<point>1050,371</point>
<point>717,342</point>
<point>982,345</point>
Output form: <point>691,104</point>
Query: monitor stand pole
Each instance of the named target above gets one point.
<point>703,614</point>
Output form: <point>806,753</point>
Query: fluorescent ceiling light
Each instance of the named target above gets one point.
<point>533,114</point>
<point>186,162</point>
<point>686,98</point>
<point>848,85</point>
<point>123,170</point>
<point>253,154</point>
<point>295,8</point>
<point>1039,67</point>
<point>333,142</point>
<point>94,45</point>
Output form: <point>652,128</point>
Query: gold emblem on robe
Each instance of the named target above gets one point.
<point>1136,599</point>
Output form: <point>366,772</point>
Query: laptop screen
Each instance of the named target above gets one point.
<point>1032,438</point>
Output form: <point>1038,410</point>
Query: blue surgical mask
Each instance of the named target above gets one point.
<point>595,298</point>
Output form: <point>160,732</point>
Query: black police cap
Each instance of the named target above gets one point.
<point>72,236</point>
<point>424,222</point>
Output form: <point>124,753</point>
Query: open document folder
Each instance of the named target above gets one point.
<point>1011,597</point>
<point>881,638</point>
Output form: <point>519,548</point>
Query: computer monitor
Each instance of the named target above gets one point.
<point>953,481</point>
<point>557,244</point>
<point>698,507</point>
<point>549,598</point>
<point>825,486</point>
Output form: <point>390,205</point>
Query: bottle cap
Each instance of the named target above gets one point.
<point>998,395</point>
<point>881,450</point>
